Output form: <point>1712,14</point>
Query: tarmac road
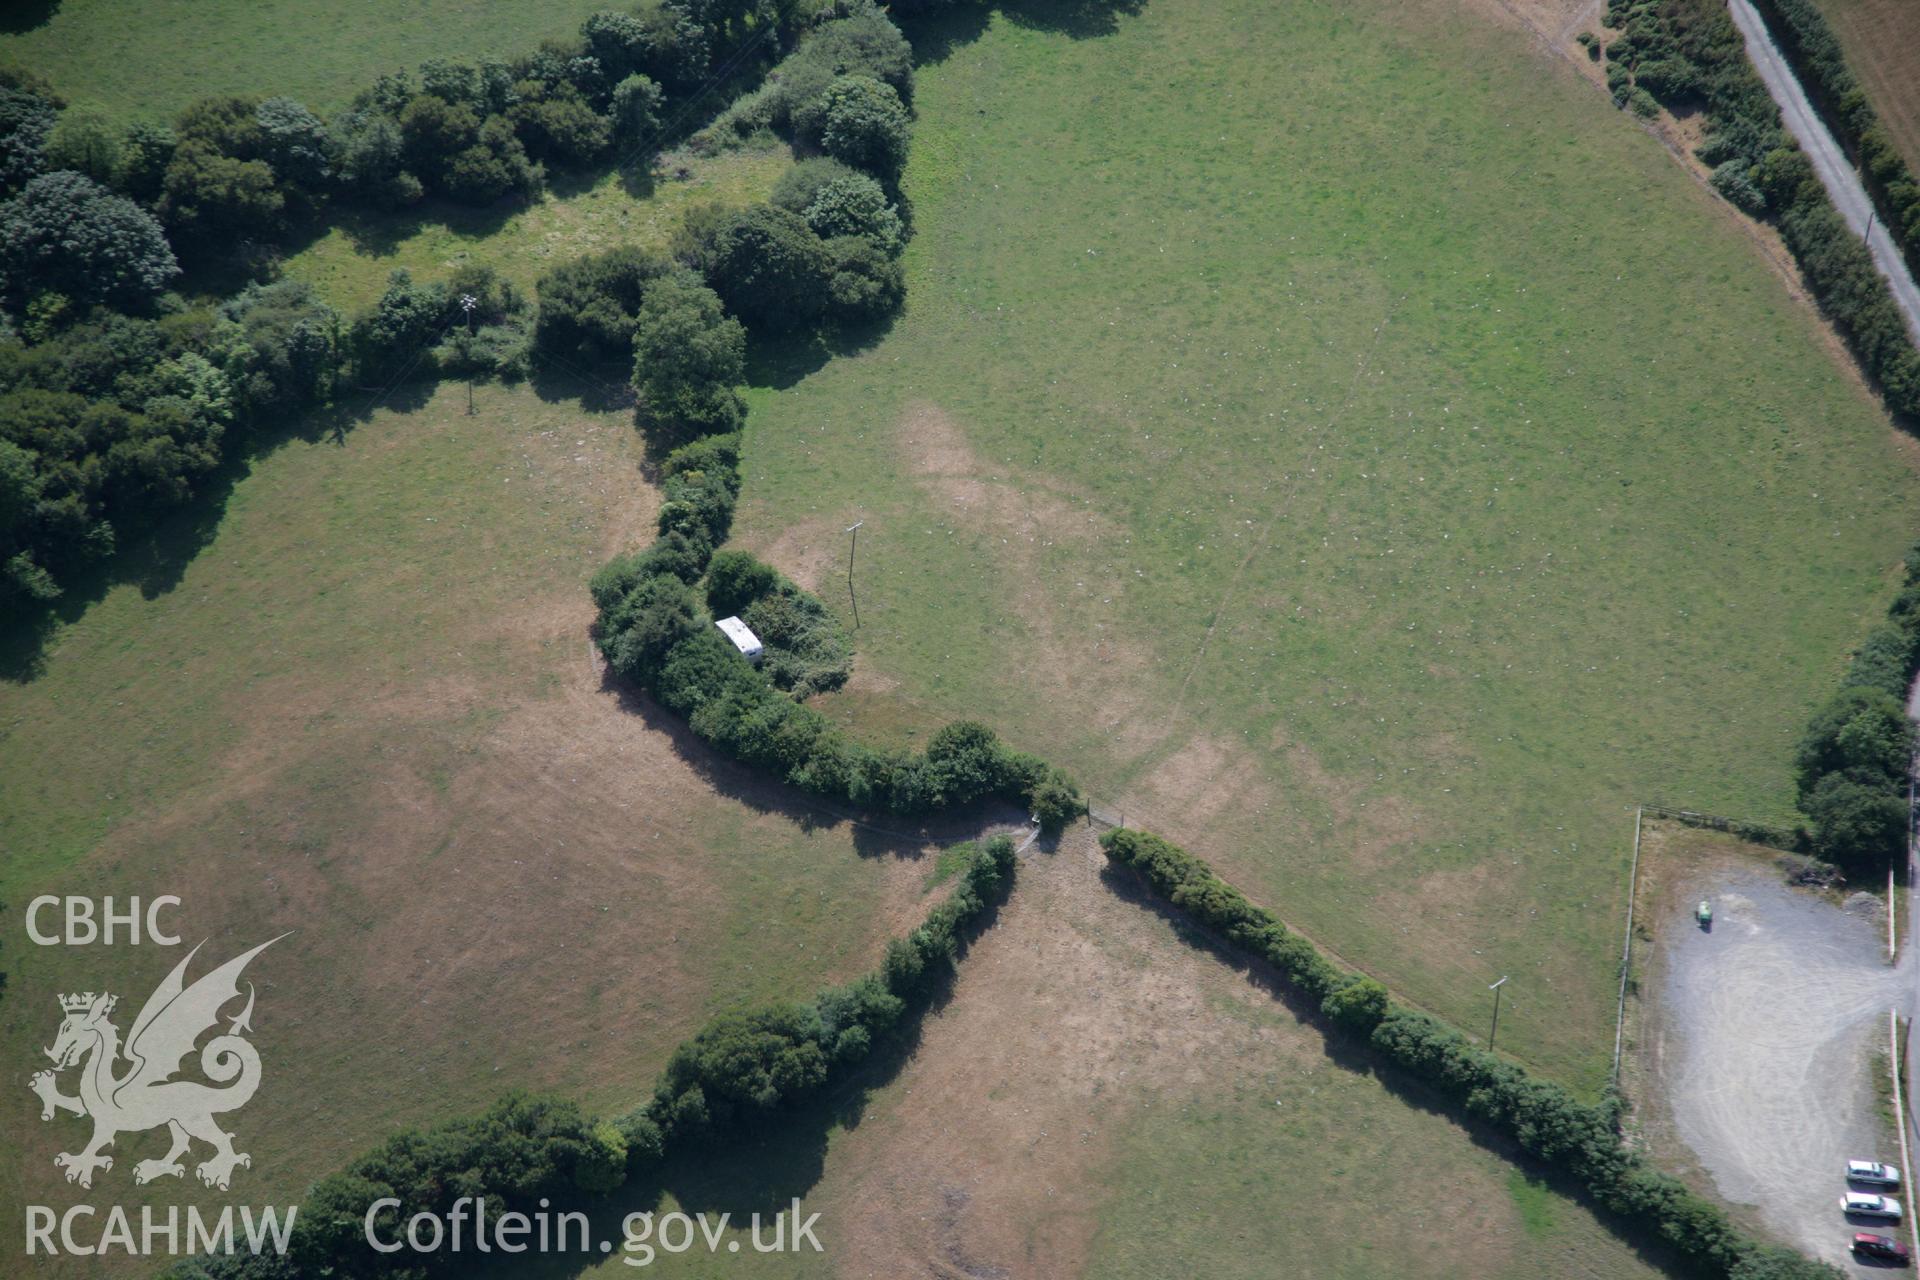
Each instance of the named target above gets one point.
<point>1769,1024</point>
<point>1829,161</point>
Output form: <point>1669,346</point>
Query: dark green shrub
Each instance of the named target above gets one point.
<point>1359,1003</point>
<point>1733,181</point>
<point>1054,800</point>
<point>1863,733</point>
<point>864,124</point>
<point>799,185</point>
<point>864,44</point>
<point>745,1064</point>
<point>29,110</point>
<point>1885,659</point>
<point>635,115</point>
<point>735,580</point>
<point>867,282</point>
<point>640,631</point>
<point>688,358</point>
<point>855,205</point>
<point>555,122</point>
<point>768,266</point>
<point>1856,824</point>
<point>68,234</point>
<point>590,304</point>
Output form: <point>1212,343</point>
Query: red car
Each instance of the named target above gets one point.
<point>1881,1248</point>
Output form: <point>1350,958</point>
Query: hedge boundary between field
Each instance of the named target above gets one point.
<point>1684,53</point>
<point>741,1072</point>
<point>1817,57</point>
<point>656,634</point>
<point>1581,1140</point>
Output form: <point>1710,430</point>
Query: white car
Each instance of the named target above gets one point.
<point>1872,1173</point>
<point>1870,1205</point>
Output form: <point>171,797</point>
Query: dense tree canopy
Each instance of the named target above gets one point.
<point>635,117</point>
<point>855,206</point>
<point>27,115</point>
<point>1862,733</point>
<point>768,266</point>
<point>213,199</point>
<point>864,124</point>
<point>85,141</point>
<point>68,234</point>
<point>688,357</point>
<point>589,305</point>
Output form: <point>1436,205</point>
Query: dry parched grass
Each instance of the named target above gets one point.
<point>1105,1097</point>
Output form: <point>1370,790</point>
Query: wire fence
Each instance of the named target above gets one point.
<point>1771,834</point>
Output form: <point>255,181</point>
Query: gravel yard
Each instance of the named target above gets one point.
<point>1763,1036</point>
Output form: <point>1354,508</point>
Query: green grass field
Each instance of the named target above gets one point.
<point>351,262</point>
<point>1326,430</point>
<point>366,713</point>
<point>151,59</point>
<point>1358,456</point>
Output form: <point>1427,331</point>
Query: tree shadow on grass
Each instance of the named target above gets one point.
<point>595,388</point>
<point>937,35</point>
<point>874,835</point>
<point>154,556</point>
<point>1078,19</point>
<point>767,1169</point>
<point>18,16</point>
<point>782,360</point>
<point>1355,1053</point>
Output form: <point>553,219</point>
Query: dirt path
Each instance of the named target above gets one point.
<point>1765,1042</point>
<point>1829,161</point>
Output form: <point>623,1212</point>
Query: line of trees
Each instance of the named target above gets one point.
<point>1816,54</point>
<point>1856,756</point>
<point>234,168</point>
<point>655,629</point>
<point>1689,53</point>
<point>1549,1123</point>
<point>118,399</point>
<point>114,420</point>
<point>823,250</point>
<point>742,1072</point>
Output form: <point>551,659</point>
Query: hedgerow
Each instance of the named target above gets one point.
<point>1853,761</point>
<point>92,247</point>
<point>1815,52</point>
<point>1545,1120</point>
<point>743,1070</point>
<point>1688,52</point>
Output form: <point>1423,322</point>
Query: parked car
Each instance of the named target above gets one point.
<point>1870,1205</point>
<point>1872,1173</point>
<point>1881,1248</point>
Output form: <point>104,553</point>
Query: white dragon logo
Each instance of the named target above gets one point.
<point>146,1096</point>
